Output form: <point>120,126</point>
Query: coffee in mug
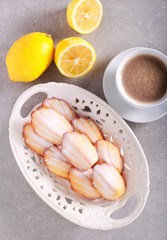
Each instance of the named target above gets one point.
<point>141,78</point>
<point>144,78</point>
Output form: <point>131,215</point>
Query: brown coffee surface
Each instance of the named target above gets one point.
<point>144,78</point>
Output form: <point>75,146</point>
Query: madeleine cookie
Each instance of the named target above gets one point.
<point>60,106</point>
<point>56,162</point>
<point>33,141</point>
<point>79,150</point>
<point>50,125</point>
<point>81,183</point>
<point>88,127</point>
<point>107,181</point>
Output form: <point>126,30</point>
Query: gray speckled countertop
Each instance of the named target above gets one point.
<point>125,24</point>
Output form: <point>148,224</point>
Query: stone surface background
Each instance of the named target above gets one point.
<point>125,24</point>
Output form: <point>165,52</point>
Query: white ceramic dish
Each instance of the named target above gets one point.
<point>127,111</point>
<point>55,191</point>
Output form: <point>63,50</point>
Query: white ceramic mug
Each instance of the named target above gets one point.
<point>119,84</point>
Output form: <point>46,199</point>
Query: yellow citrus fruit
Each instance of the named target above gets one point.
<point>29,57</point>
<point>74,57</point>
<point>84,16</point>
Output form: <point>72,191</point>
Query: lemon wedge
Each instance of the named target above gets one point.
<point>84,16</point>
<point>74,57</point>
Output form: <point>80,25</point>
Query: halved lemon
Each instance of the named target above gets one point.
<point>84,16</point>
<point>74,57</point>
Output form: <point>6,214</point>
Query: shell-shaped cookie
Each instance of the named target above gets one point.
<point>88,127</point>
<point>56,162</point>
<point>60,106</point>
<point>81,183</point>
<point>109,153</point>
<point>33,141</point>
<point>79,150</point>
<point>50,125</point>
<point>107,181</point>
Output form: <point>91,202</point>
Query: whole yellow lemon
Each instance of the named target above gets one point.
<point>29,57</point>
